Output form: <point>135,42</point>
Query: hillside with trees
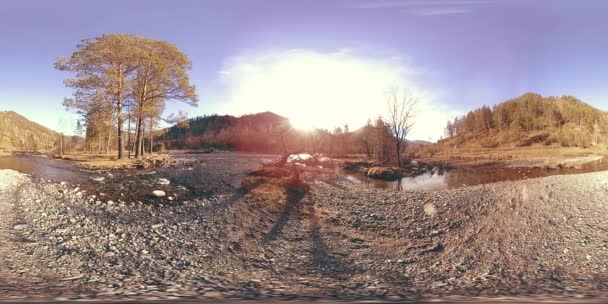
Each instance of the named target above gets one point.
<point>271,133</point>
<point>251,133</point>
<point>17,133</point>
<point>530,120</point>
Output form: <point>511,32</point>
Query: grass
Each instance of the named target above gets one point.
<point>539,155</point>
<point>103,161</point>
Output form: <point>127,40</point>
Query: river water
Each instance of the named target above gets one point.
<point>469,176</point>
<point>208,174</point>
<point>221,172</point>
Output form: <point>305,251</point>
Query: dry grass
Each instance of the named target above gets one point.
<point>100,161</point>
<point>534,156</point>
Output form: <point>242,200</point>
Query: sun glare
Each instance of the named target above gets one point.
<point>320,90</point>
<point>301,123</point>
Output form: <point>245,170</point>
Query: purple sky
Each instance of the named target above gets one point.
<point>464,53</point>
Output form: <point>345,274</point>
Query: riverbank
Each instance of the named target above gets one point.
<point>541,237</point>
<point>545,157</point>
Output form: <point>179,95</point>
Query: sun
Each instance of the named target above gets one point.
<point>315,90</point>
<point>302,122</point>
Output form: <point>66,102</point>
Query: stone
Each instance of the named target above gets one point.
<point>158,193</point>
<point>163,181</point>
<point>19,227</point>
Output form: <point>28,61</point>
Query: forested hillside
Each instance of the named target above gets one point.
<point>528,120</point>
<point>18,133</point>
<point>256,133</point>
<point>270,133</point>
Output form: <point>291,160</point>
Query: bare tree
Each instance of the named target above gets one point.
<point>400,117</point>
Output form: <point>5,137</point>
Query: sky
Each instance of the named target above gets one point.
<point>322,63</point>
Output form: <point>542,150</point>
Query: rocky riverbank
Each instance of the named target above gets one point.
<point>542,237</point>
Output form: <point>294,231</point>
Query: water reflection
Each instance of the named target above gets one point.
<point>468,176</point>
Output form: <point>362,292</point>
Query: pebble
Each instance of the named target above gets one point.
<point>158,193</point>
<point>19,227</point>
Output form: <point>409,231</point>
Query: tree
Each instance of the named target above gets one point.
<point>400,117</point>
<point>161,75</point>
<point>366,138</point>
<point>449,129</point>
<point>127,70</point>
<point>103,66</point>
<point>382,141</point>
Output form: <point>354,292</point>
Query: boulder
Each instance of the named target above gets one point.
<point>384,173</point>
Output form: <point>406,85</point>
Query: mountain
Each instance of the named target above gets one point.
<point>528,120</point>
<point>259,132</point>
<point>19,133</point>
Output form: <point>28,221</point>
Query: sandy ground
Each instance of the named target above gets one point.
<point>537,240</point>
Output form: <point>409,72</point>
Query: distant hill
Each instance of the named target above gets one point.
<point>262,132</point>
<point>255,133</point>
<point>19,133</point>
<point>529,120</point>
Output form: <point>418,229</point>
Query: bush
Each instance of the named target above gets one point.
<point>570,137</point>
<point>158,147</point>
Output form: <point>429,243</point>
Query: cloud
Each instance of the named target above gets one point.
<point>426,8</point>
<point>440,11</point>
<point>326,90</point>
<point>409,4</point>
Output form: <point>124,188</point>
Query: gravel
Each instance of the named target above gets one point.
<point>540,238</point>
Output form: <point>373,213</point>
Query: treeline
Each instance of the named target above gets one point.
<point>270,133</point>
<point>120,87</point>
<point>571,121</point>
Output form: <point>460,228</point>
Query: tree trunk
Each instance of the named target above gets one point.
<point>109,140</point>
<point>119,111</point>
<point>142,142</point>
<point>398,154</point>
<point>151,138</point>
<point>138,138</point>
<point>129,135</point>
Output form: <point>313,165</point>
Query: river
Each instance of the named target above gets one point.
<point>222,172</point>
<point>469,176</point>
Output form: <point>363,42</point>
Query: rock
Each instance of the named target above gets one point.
<point>158,193</point>
<point>163,181</point>
<point>384,173</point>
<point>110,203</point>
<point>19,227</point>
<point>429,209</point>
<point>156,226</point>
